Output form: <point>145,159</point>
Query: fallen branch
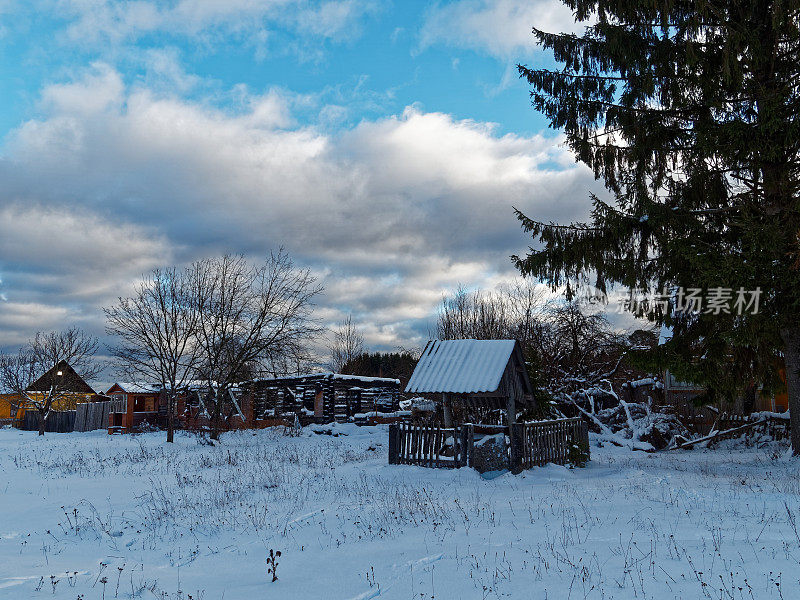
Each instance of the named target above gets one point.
<point>607,435</point>
<point>719,434</point>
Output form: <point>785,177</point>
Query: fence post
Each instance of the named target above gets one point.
<point>467,442</point>
<point>394,444</point>
<point>517,434</point>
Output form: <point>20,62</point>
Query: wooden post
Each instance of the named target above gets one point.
<point>517,435</point>
<point>511,410</point>
<point>129,402</point>
<point>461,440</point>
<point>448,413</point>
<point>394,444</point>
<point>470,439</point>
<point>585,437</point>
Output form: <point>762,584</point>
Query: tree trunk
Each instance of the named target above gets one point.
<point>170,418</point>
<point>791,353</point>
<point>41,422</point>
<point>215,418</point>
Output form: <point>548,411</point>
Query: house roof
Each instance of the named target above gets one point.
<point>462,366</point>
<point>155,388</point>
<point>135,388</point>
<point>64,377</point>
<point>329,375</point>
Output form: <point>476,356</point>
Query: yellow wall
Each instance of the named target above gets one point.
<point>67,402</point>
<point>5,405</point>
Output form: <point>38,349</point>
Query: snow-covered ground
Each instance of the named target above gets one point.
<point>88,516</point>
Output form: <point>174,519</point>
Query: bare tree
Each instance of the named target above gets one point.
<point>32,375</point>
<point>346,345</point>
<point>526,307</point>
<point>156,330</point>
<point>250,317</point>
<point>473,315</point>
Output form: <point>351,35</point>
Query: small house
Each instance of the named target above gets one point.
<point>132,404</point>
<point>70,388</point>
<point>474,376</point>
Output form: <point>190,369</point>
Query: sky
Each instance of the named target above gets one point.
<point>383,144</point>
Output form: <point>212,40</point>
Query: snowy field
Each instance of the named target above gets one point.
<point>88,516</point>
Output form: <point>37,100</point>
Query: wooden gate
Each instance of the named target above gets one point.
<point>430,446</point>
<point>559,441</point>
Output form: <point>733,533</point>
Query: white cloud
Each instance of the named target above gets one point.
<point>99,89</point>
<point>500,27</point>
<point>108,21</point>
<point>164,69</point>
<point>391,213</point>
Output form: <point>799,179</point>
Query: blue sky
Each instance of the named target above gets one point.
<point>382,143</point>
<point>379,62</point>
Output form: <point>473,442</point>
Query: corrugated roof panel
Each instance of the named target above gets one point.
<point>461,366</point>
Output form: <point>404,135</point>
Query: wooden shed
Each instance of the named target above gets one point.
<point>473,373</point>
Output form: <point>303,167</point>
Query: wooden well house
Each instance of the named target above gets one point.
<point>473,376</point>
<point>321,396</point>
<point>484,378</point>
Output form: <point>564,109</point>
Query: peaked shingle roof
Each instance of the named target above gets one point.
<point>67,381</point>
<point>461,366</point>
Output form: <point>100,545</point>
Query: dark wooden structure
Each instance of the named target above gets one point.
<point>478,374</point>
<point>63,378</point>
<point>320,397</point>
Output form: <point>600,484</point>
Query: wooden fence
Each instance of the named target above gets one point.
<point>532,444</point>
<point>430,446</point>
<point>90,416</point>
<point>776,428</point>
<point>560,441</point>
<point>58,421</point>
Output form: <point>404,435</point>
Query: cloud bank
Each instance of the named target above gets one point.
<point>113,179</point>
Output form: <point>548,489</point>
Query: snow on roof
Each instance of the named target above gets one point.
<point>330,375</point>
<point>152,388</point>
<point>364,379</point>
<point>135,388</point>
<point>461,366</point>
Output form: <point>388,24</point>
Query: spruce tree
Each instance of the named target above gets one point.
<point>688,111</point>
